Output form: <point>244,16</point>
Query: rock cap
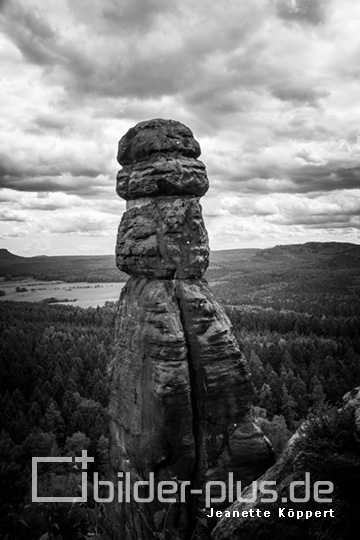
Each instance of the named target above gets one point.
<point>157,136</point>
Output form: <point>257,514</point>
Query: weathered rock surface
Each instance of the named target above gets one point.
<point>162,175</point>
<point>180,400</point>
<point>232,527</point>
<point>327,449</point>
<point>164,238</point>
<point>155,137</point>
<point>221,389</point>
<point>180,403</point>
<point>150,410</point>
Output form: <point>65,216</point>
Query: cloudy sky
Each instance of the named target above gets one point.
<point>270,89</point>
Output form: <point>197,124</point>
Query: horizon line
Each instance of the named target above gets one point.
<point>211,250</point>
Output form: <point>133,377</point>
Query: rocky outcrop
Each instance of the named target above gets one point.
<point>180,403</point>
<point>324,449</point>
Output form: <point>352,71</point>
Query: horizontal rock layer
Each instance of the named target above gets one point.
<point>157,136</point>
<point>162,176</point>
<point>164,238</point>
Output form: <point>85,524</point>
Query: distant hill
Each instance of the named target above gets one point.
<point>331,254</point>
<point>69,268</point>
<point>6,257</point>
<point>293,276</point>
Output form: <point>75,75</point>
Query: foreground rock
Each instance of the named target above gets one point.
<point>325,449</point>
<point>180,403</point>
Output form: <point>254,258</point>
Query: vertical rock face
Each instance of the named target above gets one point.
<point>180,404</point>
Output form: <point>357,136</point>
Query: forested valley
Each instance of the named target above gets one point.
<point>302,345</point>
<point>54,395</point>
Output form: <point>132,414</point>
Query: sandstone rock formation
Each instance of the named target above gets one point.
<point>326,448</point>
<point>180,404</point>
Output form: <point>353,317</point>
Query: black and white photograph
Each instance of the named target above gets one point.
<point>179,270</point>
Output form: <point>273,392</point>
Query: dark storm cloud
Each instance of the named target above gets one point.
<point>302,11</point>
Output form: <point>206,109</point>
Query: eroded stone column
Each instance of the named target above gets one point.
<point>180,405</point>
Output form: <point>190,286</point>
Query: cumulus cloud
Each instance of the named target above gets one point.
<point>15,232</point>
<point>335,209</point>
<point>269,88</point>
<point>84,224</point>
<point>11,215</point>
<point>40,200</point>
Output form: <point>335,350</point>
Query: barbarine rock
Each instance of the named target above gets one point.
<point>180,391</point>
